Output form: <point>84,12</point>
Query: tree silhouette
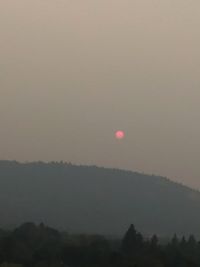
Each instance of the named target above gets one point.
<point>132,240</point>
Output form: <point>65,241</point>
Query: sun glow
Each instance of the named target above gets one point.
<point>119,134</point>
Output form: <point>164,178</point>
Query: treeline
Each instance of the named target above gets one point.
<point>33,245</point>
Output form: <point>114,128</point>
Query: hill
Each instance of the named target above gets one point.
<point>95,200</point>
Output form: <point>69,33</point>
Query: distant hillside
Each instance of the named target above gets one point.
<point>95,200</point>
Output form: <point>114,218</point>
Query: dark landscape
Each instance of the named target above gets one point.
<point>90,209</point>
<point>42,246</point>
<point>94,200</point>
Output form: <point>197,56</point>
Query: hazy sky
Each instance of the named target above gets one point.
<point>72,72</point>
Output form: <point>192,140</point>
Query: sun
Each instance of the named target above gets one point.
<point>119,134</point>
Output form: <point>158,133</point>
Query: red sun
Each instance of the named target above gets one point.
<point>119,134</point>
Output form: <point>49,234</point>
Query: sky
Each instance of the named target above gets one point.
<point>73,72</point>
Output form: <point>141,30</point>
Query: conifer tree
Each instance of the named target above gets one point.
<point>132,240</point>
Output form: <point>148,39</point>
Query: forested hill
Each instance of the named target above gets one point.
<point>95,200</point>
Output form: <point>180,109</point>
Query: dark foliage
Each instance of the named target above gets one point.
<point>33,245</point>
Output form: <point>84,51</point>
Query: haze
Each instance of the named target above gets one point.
<point>74,72</point>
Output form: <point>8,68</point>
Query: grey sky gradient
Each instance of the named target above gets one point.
<point>72,72</point>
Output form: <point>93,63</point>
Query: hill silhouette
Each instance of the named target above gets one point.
<point>91,199</point>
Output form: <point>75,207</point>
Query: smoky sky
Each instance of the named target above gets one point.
<point>72,72</point>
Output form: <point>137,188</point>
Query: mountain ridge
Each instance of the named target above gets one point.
<point>95,199</point>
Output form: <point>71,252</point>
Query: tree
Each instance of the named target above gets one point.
<point>192,242</point>
<point>175,241</point>
<point>132,240</point>
<point>183,243</point>
<point>154,242</point>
